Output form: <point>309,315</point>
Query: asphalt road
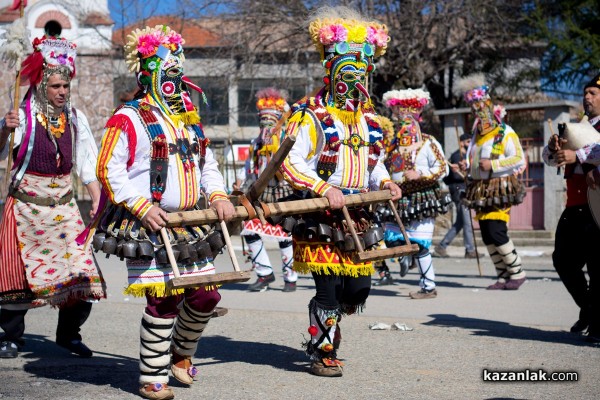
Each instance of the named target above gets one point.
<point>254,351</point>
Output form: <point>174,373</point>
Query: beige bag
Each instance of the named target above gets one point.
<point>580,134</point>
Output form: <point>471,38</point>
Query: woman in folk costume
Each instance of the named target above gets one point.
<point>272,111</point>
<point>416,163</point>
<point>154,160</point>
<point>338,151</point>
<point>494,159</point>
<point>40,263</point>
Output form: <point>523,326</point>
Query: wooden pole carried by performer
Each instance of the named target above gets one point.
<point>249,211</point>
<point>298,207</point>
<point>17,58</point>
<point>465,177</point>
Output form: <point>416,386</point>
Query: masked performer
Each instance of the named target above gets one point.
<point>154,160</point>
<point>40,261</point>
<point>494,159</point>
<point>272,110</point>
<point>416,163</point>
<point>338,151</point>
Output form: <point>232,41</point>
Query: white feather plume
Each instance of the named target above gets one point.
<point>469,82</point>
<point>15,43</point>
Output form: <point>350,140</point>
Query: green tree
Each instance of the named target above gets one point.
<point>571,30</point>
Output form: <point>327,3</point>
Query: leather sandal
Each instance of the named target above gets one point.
<point>497,286</point>
<point>329,367</point>
<point>156,391</point>
<point>182,369</point>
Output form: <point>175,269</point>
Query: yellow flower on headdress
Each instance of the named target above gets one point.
<point>357,33</point>
<point>334,25</point>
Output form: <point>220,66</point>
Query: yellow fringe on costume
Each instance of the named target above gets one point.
<point>347,117</point>
<point>324,258</point>
<point>158,290</point>
<point>498,214</point>
<point>187,118</point>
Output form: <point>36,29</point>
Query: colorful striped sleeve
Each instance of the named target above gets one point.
<point>111,170</point>
<point>299,166</point>
<point>514,157</point>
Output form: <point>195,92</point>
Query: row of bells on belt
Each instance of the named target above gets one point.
<point>497,192</point>
<point>309,229</point>
<point>417,208</point>
<point>503,201</point>
<point>200,250</point>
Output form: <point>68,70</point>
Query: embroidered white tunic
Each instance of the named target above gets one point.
<point>124,170</point>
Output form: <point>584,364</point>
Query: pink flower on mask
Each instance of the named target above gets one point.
<point>341,33</point>
<point>326,35</point>
<point>147,44</point>
<point>378,37</point>
<point>174,38</point>
<point>331,34</point>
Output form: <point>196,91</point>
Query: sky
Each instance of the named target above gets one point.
<point>125,12</point>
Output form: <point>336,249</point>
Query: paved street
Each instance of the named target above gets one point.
<point>254,351</point>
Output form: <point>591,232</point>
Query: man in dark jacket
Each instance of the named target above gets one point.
<point>456,184</point>
<point>577,234</point>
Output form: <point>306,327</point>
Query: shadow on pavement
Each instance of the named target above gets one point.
<point>224,349</point>
<point>45,359</point>
<point>413,284</point>
<point>484,327</point>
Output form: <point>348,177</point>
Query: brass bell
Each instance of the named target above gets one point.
<point>129,249</point>
<point>310,231</point>
<point>175,253</point>
<point>370,238</point>
<point>299,228</point>
<point>119,251</point>
<point>288,224</point>
<point>98,240</point>
<point>349,243</point>
<point>203,249</point>
<point>192,252</point>
<point>184,254</point>
<point>325,233</point>
<point>161,256</point>
<point>110,245</point>
<point>145,251</point>
<point>338,238</point>
<point>275,219</point>
<point>216,242</point>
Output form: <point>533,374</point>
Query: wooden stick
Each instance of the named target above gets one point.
<point>468,209</point>
<point>261,215</point>
<point>399,221</point>
<point>230,250</point>
<point>357,243</point>
<point>7,177</point>
<point>170,255</point>
<point>260,184</point>
<point>296,207</point>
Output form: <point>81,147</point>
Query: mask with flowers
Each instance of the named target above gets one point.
<point>156,56</point>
